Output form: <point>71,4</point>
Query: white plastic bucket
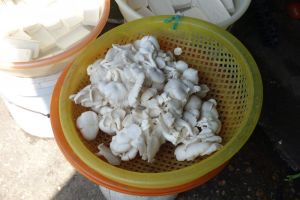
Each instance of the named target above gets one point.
<point>28,101</point>
<point>241,6</point>
<point>113,195</point>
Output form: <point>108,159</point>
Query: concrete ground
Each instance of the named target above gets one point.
<point>33,168</point>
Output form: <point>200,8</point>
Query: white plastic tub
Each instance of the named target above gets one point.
<point>113,195</point>
<point>241,6</point>
<point>28,101</point>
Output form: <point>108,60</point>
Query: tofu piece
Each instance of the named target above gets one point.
<point>195,12</point>
<point>145,12</point>
<point>20,34</point>
<point>15,55</point>
<point>229,5</point>
<point>137,4</point>
<point>22,44</point>
<point>17,1</point>
<point>91,17</point>
<point>70,16</point>
<point>213,9</point>
<point>59,30</point>
<point>159,7</point>
<point>41,34</point>
<point>32,29</point>
<point>73,21</point>
<point>72,37</point>
<point>181,4</point>
<point>91,13</point>
<point>51,52</point>
<point>50,22</point>
<point>8,2</point>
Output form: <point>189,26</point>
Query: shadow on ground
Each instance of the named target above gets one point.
<point>79,188</point>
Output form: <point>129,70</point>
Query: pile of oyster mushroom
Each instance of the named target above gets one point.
<point>142,97</point>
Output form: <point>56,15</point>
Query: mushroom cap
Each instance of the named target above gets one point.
<point>87,123</point>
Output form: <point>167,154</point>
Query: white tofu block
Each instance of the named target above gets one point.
<point>73,21</point>
<point>71,16</point>
<point>51,52</point>
<point>50,22</point>
<point>145,12</point>
<point>40,33</point>
<point>32,29</point>
<point>137,4</point>
<point>20,34</point>
<point>59,30</point>
<point>17,1</point>
<point>213,9</point>
<point>195,12</point>
<point>8,2</point>
<point>160,7</point>
<point>22,44</point>
<point>15,55</point>
<point>91,16</point>
<point>229,5</point>
<point>72,37</point>
<point>181,4</point>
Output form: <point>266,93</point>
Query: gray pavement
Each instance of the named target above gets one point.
<point>33,168</point>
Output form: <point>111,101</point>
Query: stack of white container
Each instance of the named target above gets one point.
<point>32,30</point>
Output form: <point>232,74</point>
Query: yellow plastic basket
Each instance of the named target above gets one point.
<point>224,64</point>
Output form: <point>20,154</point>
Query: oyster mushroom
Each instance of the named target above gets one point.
<point>203,92</point>
<point>149,39</point>
<point>115,92</point>
<point>111,122</point>
<point>148,94</point>
<point>177,51</point>
<point>108,155</point>
<point>190,118</point>
<point>181,66</point>
<point>176,89</point>
<point>174,106</point>
<point>191,151</point>
<point>212,124</point>
<point>153,141</point>
<point>192,88</point>
<point>87,123</point>
<point>191,75</point>
<point>209,110</point>
<point>209,116</point>
<point>96,72</point>
<point>160,62</point>
<point>194,103</point>
<point>89,96</point>
<point>135,90</point>
<point>127,142</point>
<point>184,127</point>
<point>169,133</point>
<point>192,110</point>
<point>156,75</point>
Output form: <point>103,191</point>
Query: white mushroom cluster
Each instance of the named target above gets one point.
<point>142,97</point>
